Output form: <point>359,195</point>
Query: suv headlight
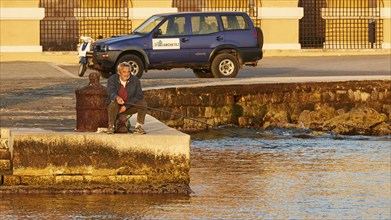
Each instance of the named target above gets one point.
<point>100,48</point>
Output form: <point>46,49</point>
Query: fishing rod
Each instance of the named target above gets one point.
<point>180,115</point>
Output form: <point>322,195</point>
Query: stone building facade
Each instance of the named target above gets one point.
<point>60,22</point>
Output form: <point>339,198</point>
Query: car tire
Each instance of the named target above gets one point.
<point>225,66</point>
<point>203,73</point>
<point>137,66</point>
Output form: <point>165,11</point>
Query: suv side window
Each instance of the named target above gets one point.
<point>174,26</point>
<point>234,22</point>
<point>204,25</point>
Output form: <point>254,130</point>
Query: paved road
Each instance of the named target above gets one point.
<point>268,67</point>
<point>39,94</point>
<point>293,67</point>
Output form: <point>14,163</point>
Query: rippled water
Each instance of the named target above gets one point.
<point>268,175</point>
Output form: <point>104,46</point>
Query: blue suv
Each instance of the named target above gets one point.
<point>212,44</point>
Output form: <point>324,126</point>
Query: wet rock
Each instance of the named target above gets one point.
<point>382,129</point>
<point>338,138</point>
<point>358,120</point>
<point>314,119</point>
<point>318,133</point>
<point>303,136</point>
<point>280,119</point>
<point>275,119</point>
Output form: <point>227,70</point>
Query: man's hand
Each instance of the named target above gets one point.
<point>122,109</point>
<point>119,100</point>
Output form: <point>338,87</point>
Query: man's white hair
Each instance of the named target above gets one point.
<point>123,64</point>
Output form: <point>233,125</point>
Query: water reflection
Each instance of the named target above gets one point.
<point>264,175</point>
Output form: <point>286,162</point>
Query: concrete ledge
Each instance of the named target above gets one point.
<point>44,159</point>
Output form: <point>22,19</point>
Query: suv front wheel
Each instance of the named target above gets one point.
<point>225,66</point>
<point>137,66</point>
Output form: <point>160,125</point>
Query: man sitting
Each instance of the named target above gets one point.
<point>125,96</point>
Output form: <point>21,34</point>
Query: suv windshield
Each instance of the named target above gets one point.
<point>148,25</point>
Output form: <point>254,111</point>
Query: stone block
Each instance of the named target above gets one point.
<point>315,97</point>
<point>5,154</point>
<point>37,180</point>
<point>11,180</point>
<point>332,96</point>
<point>4,133</point>
<point>365,96</point>
<point>242,121</point>
<point>69,179</point>
<point>209,112</point>
<point>248,111</point>
<point>230,100</point>
<point>341,92</point>
<point>357,95</point>
<point>341,96</point>
<point>128,178</point>
<point>374,95</point>
<point>3,143</point>
<point>204,99</point>
<point>47,157</point>
<point>5,164</point>
<point>194,111</point>
<point>350,94</point>
<point>96,179</point>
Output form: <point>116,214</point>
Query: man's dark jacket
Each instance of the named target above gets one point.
<point>133,87</point>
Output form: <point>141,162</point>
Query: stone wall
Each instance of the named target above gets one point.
<point>42,161</point>
<point>363,107</point>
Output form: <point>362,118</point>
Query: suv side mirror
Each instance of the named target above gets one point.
<point>157,33</point>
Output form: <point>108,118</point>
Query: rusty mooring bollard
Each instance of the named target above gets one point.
<point>91,111</point>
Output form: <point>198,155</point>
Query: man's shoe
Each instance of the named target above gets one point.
<point>110,130</point>
<point>139,130</point>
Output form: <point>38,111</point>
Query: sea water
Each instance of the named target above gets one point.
<point>247,174</point>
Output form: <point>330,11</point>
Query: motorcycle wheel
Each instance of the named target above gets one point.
<point>82,69</point>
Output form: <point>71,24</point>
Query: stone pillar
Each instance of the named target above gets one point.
<point>141,10</point>
<point>280,24</point>
<point>385,14</point>
<point>19,26</point>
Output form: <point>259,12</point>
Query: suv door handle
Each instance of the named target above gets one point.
<point>219,38</point>
<point>185,39</point>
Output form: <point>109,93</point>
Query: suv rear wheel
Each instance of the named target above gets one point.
<point>203,73</point>
<point>137,66</point>
<point>225,66</point>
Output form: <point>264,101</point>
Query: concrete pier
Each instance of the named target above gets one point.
<point>87,162</point>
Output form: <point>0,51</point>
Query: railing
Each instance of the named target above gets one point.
<point>330,24</point>
<point>66,20</point>
<point>249,6</point>
<point>341,24</point>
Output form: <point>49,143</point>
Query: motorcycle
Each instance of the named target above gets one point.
<point>84,54</point>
